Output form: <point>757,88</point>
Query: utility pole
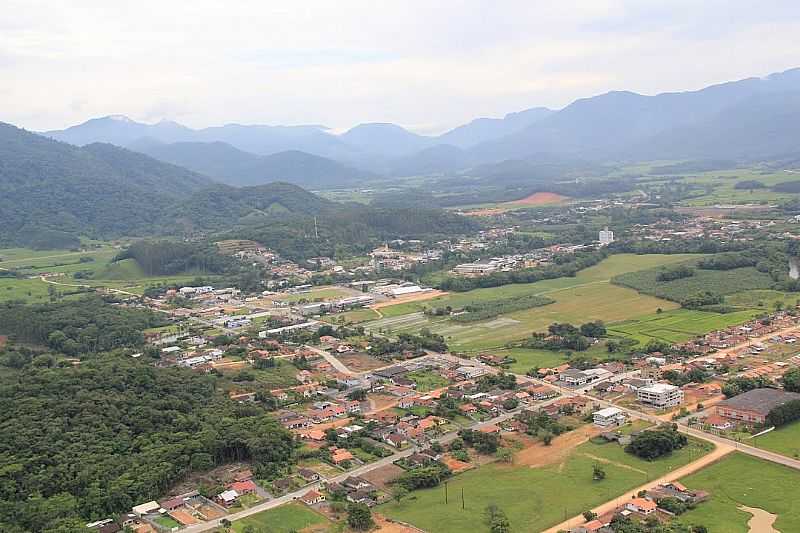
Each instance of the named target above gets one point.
<point>462,498</point>
<point>316,232</point>
<point>445,492</point>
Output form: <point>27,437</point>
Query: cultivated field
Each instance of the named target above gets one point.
<point>678,325</point>
<point>587,296</point>
<point>740,480</point>
<point>533,497</point>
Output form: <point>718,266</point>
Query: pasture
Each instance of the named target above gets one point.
<point>284,519</point>
<point>533,498</point>
<point>740,479</point>
<point>587,296</point>
<point>677,325</point>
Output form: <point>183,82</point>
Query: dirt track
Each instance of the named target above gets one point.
<point>412,298</point>
<point>540,455</point>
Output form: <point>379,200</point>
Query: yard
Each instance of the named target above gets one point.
<point>587,296</point>
<point>533,498</point>
<point>739,479</point>
<point>427,381</point>
<point>283,519</point>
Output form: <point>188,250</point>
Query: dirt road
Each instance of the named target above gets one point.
<point>718,453</point>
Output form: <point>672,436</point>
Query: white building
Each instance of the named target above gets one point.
<point>475,268</point>
<point>609,416</point>
<point>660,395</point>
<point>606,236</point>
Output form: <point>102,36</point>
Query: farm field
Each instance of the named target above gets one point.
<point>723,191</point>
<point>528,358</point>
<point>722,282</point>
<point>538,493</point>
<point>587,296</point>
<point>677,325</point>
<point>739,479</point>
<point>763,299</point>
<point>283,519</point>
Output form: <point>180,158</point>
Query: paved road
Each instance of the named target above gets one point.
<point>335,363</point>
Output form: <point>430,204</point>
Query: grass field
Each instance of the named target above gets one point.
<point>534,498</point>
<point>426,380</point>
<point>785,441</point>
<point>283,519</point>
<point>587,296</point>
<point>763,299</point>
<point>739,479</point>
<point>677,325</point>
<point>529,358</point>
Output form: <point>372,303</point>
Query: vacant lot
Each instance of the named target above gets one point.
<point>540,198</point>
<point>290,517</point>
<point>318,294</point>
<point>533,498</point>
<point>677,325</point>
<point>360,362</point>
<point>743,480</point>
<point>587,296</point>
<point>785,440</point>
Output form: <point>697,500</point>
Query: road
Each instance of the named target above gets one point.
<point>734,349</point>
<point>335,363</point>
<point>271,504</point>
<point>107,289</point>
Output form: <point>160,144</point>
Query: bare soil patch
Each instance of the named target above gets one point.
<point>381,402</point>
<point>410,298</point>
<point>538,454</point>
<point>388,526</point>
<point>455,465</point>
<point>360,362</point>
<point>541,198</point>
<point>380,477</point>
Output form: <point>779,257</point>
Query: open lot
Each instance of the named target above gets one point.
<point>283,519</point>
<point>785,440</point>
<point>737,480</point>
<point>587,296</point>
<point>533,498</point>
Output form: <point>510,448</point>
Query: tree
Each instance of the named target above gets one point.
<point>547,438</point>
<point>399,492</point>
<point>598,474</point>
<point>791,380</point>
<point>359,517</point>
<point>589,516</point>
<point>497,520</point>
<point>505,455</point>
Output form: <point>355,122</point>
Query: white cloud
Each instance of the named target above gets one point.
<point>428,65</point>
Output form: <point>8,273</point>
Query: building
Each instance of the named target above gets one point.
<point>312,497</point>
<point>606,236</point>
<point>609,416</point>
<point>660,395</point>
<point>475,269</point>
<point>752,407</point>
<point>574,377</point>
<point>641,506</point>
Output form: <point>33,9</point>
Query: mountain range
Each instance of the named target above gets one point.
<point>742,120</point>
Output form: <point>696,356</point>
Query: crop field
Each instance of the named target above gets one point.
<point>717,281</point>
<point>723,191</point>
<point>763,299</point>
<point>739,479</point>
<point>678,325</point>
<point>533,498</point>
<point>284,519</point>
<point>587,296</point>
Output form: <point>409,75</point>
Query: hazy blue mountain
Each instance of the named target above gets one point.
<point>227,164</point>
<point>613,124</point>
<point>121,131</point>
<point>436,159</point>
<point>487,129</point>
<point>385,139</point>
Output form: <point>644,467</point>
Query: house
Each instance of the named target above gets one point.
<point>308,475</point>
<point>610,416</point>
<point>313,434</point>
<point>542,392</point>
<point>719,422</point>
<point>340,455</point>
<point>146,508</point>
<point>660,395</point>
<point>468,408</point>
<point>228,497</point>
<point>312,497</point>
<point>752,407</point>
<point>490,429</point>
<point>395,439</point>
<point>407,402</point>
<point>172,503</point>
<point>641,506</point>
<point>282,484</point>
<point>357,483</point>
<point>243,487</point>
<point>243,475</point>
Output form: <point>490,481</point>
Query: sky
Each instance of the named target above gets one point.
<point>426,65</point>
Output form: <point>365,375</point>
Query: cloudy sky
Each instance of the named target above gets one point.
<point>428,65</point>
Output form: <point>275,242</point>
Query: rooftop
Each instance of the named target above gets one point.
<point>761,401</point>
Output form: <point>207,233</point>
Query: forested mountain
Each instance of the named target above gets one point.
<point>50,188</point>
<point>385,139</point>
<point>487,129</point>
<point>227,164</point>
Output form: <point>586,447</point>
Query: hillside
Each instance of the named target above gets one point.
<point>227,164</point>
<point>99,190</point>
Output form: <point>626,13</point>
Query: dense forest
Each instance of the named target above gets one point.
<point>85,442</point>
<point>77,327</point>
<point>164,258</point>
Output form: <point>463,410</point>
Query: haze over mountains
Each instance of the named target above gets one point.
<point>741,120</point>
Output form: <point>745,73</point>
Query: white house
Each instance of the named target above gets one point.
<point>660,395</point>
<point>609,416</point>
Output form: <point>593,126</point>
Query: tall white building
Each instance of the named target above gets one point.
<point>606,236</point>
<point>660,395</point>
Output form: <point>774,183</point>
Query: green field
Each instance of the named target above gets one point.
<point>785,440</point>
<point>677,325</point>
<point>587,296</point>
<point>739,479</point>
<point>528,358</point>
<point>283,519</point>
<point>722,183</point>
<point>534,498</point>
<point>426,380</point>
<point>717,281</point>
<point>763,299</point>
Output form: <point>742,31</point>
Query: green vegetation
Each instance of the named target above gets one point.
<point>718,282</point>
<point>489,309</point>
<point>526,358</point>
<point>738,480</point>
<point>426,380</point>
<point>585,297</point>
<point>677,325</point>
<point>784,440</point>
<point>533,498</point>
<point>283,519</point>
